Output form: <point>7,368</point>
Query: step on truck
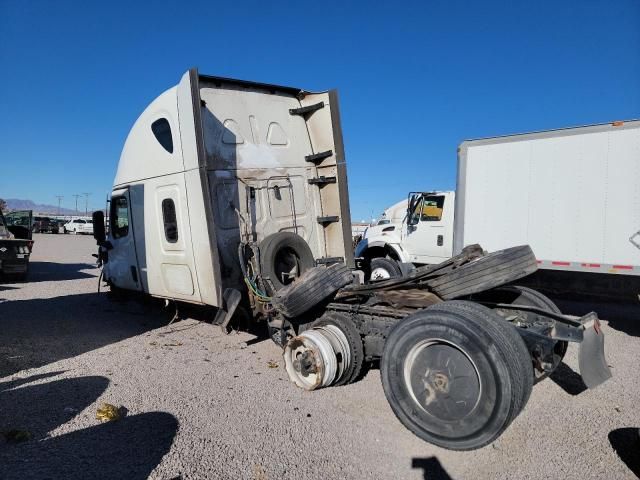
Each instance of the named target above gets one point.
<point>571,194</point>
<point>233,195</point>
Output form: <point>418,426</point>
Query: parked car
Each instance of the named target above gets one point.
<point>79,226</point>
<point>45,225</point>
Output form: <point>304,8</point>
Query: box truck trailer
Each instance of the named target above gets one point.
<point>233,195</point>
<point>572,194</point>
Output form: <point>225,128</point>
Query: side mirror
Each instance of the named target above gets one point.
<point>99,232</point>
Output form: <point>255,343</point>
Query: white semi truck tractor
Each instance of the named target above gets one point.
<point>233,195</point>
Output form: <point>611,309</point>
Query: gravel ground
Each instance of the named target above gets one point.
<point>203,405</point>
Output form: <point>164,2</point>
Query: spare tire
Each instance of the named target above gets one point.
<point>314,286</point>
<point>284,256</point>
<point>490,271</point>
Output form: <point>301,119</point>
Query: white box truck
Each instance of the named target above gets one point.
<point>233,194</point>
<point>572,194</point>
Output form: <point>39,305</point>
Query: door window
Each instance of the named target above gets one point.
<point>431,208</point>
<point>170,221</point>
<point>119,217</point>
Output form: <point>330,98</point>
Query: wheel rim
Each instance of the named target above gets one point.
<point>317,357</point>
<point>442,379</point>
<point>286,265</point>
<point>380,273</point>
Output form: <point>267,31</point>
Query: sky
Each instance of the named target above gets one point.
<point>414,78</point>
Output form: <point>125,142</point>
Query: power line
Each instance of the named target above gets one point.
<point>86,204</point>
<point>59,197</point>
<point>76,197</point>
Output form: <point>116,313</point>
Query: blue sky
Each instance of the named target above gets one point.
<point>415,79</point>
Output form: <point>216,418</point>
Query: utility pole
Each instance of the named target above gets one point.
<point>59,197</point>
<point>76,197</point>
<point>86,204</point>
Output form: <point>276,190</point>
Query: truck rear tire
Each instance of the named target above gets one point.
<point>461,410</point>
<point>520,359</point>
<point>487,272</point>
<point>383,269</point>
<point>284,256</point>
<point>311,288</point>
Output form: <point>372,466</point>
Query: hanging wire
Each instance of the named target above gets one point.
<point>260,295</point>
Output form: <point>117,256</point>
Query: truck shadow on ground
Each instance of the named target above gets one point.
<point>41,331</point>
<point>43,407</point>
<point>570,381</point>
<point>626,443</point>
<point>431,467</point>
<point>51,271</point>
<point>128,448</point>
<point>622,316</point>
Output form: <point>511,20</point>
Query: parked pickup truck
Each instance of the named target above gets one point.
<point>15,246</point>
<point>233,194</point>
<point>569,193</point>
<point>79,225</point>
<point>45,225</point>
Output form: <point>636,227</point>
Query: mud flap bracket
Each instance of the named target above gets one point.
<point>231,299</point>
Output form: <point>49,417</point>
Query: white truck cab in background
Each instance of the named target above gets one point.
<point>418,230</point>
<point>572,194</point>
<point>212,163</point>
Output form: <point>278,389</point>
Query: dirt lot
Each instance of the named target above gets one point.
<point>203,405</point>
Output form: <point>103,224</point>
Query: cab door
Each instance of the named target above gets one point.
<point>20,223</point>
<point>427,231</point>
<point>122,268</point>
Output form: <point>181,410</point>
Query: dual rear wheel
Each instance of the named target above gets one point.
<point>456,374</point>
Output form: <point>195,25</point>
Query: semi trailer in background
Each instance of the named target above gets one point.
<point>233,195</point>
<point>572,194</point>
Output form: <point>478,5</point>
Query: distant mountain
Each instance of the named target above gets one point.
<point>16,204</point>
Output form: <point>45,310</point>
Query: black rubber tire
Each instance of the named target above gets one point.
<point>520,364</point>
<point>387,264</point>
<point>344,323</point>
<point>283,250</point>
<point>483,343</point>
<point>518,295</point>
<point>307,291</point>
<point>487,272</point>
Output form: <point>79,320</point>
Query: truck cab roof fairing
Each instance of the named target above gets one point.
<point>144,155</point>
